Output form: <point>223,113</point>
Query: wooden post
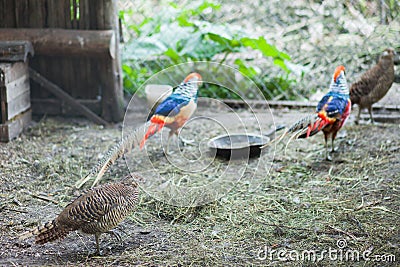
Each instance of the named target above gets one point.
<point>112,94</point>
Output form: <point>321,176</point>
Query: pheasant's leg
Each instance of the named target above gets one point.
<point>333,141</point>
<point>171,133</point>
<point>97,235</point>
<point>327,157</point>
<point>183,140</point>
<point>370,114</point>
<point>358,115</point>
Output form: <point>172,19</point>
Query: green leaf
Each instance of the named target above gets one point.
<point>281,63</point>
<point>246,70</point>
<point>143,48</point>
<point>172,54</point>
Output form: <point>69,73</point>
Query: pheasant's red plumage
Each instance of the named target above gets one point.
<point>176,109</point>
<point>332,112</point>
<point>157,123</point>
<point>173,112</point>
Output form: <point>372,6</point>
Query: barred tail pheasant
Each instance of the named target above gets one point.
<point>98,211</point>
<point>373,85</point>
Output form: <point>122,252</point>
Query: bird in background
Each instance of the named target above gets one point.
<point>331,114</point>
<point>98,211</point>
<point>172,113</point>
<point>373,85</point>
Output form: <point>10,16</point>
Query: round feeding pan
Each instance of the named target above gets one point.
<point>236,146</point>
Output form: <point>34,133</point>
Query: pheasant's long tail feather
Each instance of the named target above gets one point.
<point>151,130</point>
<point>303,128</point>
<point>128,143</point>
<point>46,233</point>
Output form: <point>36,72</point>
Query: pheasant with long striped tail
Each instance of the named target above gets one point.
<point>331,114</point>
<point>172,113</point>
<point>96,212</point>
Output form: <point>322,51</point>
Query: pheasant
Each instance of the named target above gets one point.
<point>331,114</point>
<point>373,84</point>
<point>98,211</point>
<point>173,113</point>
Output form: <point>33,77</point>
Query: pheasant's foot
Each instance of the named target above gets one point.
<point>186,141</point>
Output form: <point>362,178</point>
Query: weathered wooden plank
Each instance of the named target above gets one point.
<point>12,51</point>
<point>65,97</point>
<point>62,13</point>
<point>37,18</point>
<point>112,78</point>
<point>3,106</point>
<point>12,129</point>
<point>2,16</point>
<point>57,107</point>
<point>13,71</point>
<point>3,110</point>
<point>52,21</point>
<point>67,11</point>
<point>75,14</point>
<point>93,104</point>
<point>112,100</point>
<point>21,13</point>
<point>15,88</point>
<point>8,14</point>
<point>65,42</point>
<point>100,15</point>
<point>46,106</point>
<point>85,17</point>
<point>18,105</point>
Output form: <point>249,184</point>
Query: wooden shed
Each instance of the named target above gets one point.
<point>76,68</point>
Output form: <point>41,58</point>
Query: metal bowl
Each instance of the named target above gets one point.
<point>239,146</point>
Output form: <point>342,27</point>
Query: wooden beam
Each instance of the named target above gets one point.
<point>286,104</point>
<point>56,106</point>
<point>57,91</point>
<point>64,42</point>
<point>15,51</point>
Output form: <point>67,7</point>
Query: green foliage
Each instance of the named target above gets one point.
<point>180,35</point>
<point>278,88</point>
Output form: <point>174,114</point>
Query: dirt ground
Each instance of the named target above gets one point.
<point>297,202</point>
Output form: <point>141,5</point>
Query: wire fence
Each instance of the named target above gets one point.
<point>304,42</point>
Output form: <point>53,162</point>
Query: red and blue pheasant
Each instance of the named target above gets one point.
<point>331,114</point>
<point>173,112</point>
<point>176,109</point>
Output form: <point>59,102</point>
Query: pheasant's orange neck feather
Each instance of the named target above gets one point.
<point>337,72</point>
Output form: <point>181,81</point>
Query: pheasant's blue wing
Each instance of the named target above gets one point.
<point>332,105</point>
<point>171,106</point>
